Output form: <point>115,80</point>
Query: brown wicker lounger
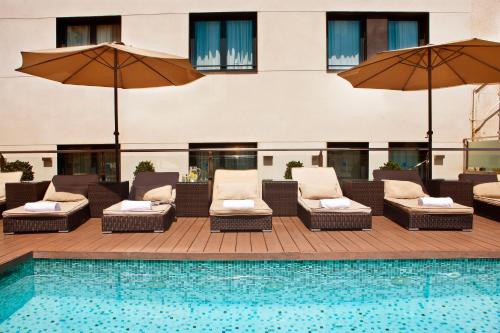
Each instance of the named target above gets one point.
<point>359,217</point>
<point>156,221</point>
<point>3,206</point>
<point>420,220</point>
<point>257,219</point>
<point>482,207</point>
<point>46,222</point>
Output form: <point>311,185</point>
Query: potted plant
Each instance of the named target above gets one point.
<point>289,166</point>
<point>144,166</point>
<point>390,166</point>
<point>17,165</point>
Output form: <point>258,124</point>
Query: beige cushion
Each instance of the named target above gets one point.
<point>261,208</point>
<point>66,209</point>
<point>491,201</point>
<point>115,210</point>
<point>401,189</point>
<point>248,180</point>
<point>2,191</point>
<point>411,205</point>
<point>50,190</point>
<point>317,181</point>
<point>236,191</point>
<point>314,206</point>
<point>161,194</point>
<point>488,190</point>
<point>63,197</point>
<point>8,177</point>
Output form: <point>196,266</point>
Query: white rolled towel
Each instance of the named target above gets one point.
<point>131,205</point>
<point>239,204</point>
<point>445,202</point>
<point>337,203</point>
<point>42,206</point>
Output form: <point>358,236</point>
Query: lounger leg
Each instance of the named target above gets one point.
<point>63,231</point>
<point>8,233</point>
<point>413,229</point>
<point>159,231</point>
<point>467,230</point>
<point>315,230</point>
<point>366,229</point>
<point>266,230</point>
<point>214,231</point>
<point>107,232</point>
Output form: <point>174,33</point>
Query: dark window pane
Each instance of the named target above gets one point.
<point>402,34</point>
<point>349,164</point>
<point>208,38</point>
<point>99,163</point>
<point>344,43</point>
<point>410,159</point>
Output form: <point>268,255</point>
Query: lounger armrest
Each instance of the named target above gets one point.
<point>460,191</point>
<point>367,192</point>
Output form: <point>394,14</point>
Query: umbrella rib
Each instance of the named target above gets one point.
<point>474,58</point>
<point>413,71</point>
<point>112,66</point>
<point>151,68</point>
<point>82,67</point>
<point>376,62</point>
<point>454,54</point>
<point>451,68</point>
<point>124,61</point>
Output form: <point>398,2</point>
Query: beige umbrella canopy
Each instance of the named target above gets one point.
<point>473,61</point>
<point>109,65</point>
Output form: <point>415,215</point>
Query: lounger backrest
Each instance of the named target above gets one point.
<point>223,176</point>
<point>478,178</point>
<point>78,184</point>
<point>316,175</point>
<point>407,175</point>
<point>145,181</point>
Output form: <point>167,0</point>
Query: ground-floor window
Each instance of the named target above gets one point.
<point>100,163</point>
<point>236,160</point>
<point>411,158</point>
<point>349,164</point>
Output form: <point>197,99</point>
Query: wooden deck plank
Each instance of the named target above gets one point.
<point>312,237</point>
<point>228,244</point>
<point>200,242</point>
<point>214,242</point>
<point>258,242</point>
<point>300,240</point>
<point>284,237</point>
<point>176,235</point>
<point>243,243</point>
<point>189,237</point>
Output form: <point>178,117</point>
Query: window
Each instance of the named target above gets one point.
<point>223,42</point>
<point>349,164</point>
<point>411,158</point>
<point>102,164</point>
<point>344,44</point>
<point>236,160</point>
<point>402,34</point>
<point>75,31</point>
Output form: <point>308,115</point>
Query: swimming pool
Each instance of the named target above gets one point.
<point>251,296</point>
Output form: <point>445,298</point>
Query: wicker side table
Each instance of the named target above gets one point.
<point>103,195</point>
<point>192,199</point>
<point>460,191</point>
<point>17,194</point>
<point>281,196</point>
<point>367,192</point>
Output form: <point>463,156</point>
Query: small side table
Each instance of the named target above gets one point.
<point>17,194</point>
<point>192,199</point>
<point>281,196</point>
<point>103,195</point>
<point>460,191</point>
<point>367,192</point>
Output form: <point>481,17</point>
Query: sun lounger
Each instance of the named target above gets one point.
<point>310,210</point>
<point>71,215</point>
<point>410,215</point>
<point>484,205</point>
<point>158,219</point>
<point>238,185</point>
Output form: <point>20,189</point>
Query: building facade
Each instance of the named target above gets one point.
<point>271,83</point>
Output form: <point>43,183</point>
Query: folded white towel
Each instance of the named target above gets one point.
<point>131,205</point>
<point>446,202</point>
<point>238,204</point>
<point>42,206</point>
<point>337,203</point>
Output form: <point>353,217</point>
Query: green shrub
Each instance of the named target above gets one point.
<point>289,166</point>
<point>25,167</point>
<point>390,166</point>
<point>144,166</point>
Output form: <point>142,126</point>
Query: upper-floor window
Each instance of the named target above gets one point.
<point>402,34</point>
<point>223,42</point>
<point>344,43</point>
<point>76,31</point>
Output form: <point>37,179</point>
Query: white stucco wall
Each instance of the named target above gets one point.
<point>291,102</point>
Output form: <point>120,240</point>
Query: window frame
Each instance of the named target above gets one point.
<point>364,154</point>
<point>93,21</point>
<point>223,18</point>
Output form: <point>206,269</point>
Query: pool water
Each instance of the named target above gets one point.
<point>43,295</point>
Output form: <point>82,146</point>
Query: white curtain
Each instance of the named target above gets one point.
<point>239,44</point>
<point>207,48</point>
<point>107,33</point>
<point>344,40</point>
<point>402,34</point>
<point>77,35</point>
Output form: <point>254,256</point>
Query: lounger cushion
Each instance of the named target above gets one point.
<point>8,177</point>
<point>160,194</point>
<point>66,209</point>
<point>412,206</point>
<point>260,208</point>
<point>314,206</point>
<point>64,197</point>
<point>236,191</point>
<point>316,178</point>
<point>157,210</point>
<point>488,190</point>
<point>50,190</point>
<point>491,201</point>
<point>247,180</point>
<point>401,189</point>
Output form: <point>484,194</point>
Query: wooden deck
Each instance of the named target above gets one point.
<point>190,238</point>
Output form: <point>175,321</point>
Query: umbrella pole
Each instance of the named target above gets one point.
<point>429,101</point>
<point>116,133</point>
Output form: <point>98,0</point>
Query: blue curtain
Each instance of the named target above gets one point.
<point>343,43</point>
<point>239,44</point>
<point>402,34</point>
<point>207,48</point>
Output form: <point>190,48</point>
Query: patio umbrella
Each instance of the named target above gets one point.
<point>473,61</point>
<point>109,65</point>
